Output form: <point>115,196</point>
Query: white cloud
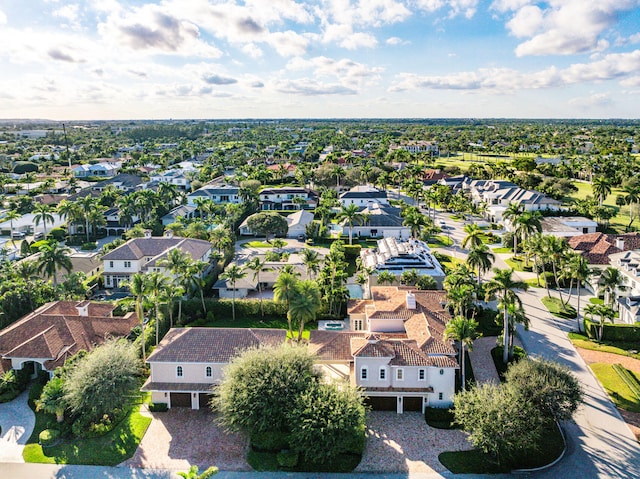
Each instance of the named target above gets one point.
<point>467,8</point>
<point>311,87</point>
<point>287,43</point>
<point>3,18</point>
<point>69,13</point>
<point>635,38</point>
<point>633,81</point>
<point>346,70</point>
<point>252,50</point>
<point>562,27</point>
<point>594,100</point>
<point>503,80</point>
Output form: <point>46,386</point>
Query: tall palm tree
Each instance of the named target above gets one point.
<point>42,215</point>
<point>12,215</point>
<point>555,250</point>
<point>257,265</point>
<point>27,271</point>
<point>195,275</point>
<point>351,215</point>
<point>232,274</point>
<point>87,204</point>
<point>481,259</point>
<point>284,291</point>
<point>137,285</point>
<point>503,286</point>
<point>601,186</point>
<point>311,261</point>
<point>611,280</point>
<point>512,211</point>
<point>463,331</point>
<point>415,221</point>
<point>460,299</point>
<point>582,273</point>
<point>473,237</point>
<point>526,225</point>
<point>304,305</point>
<point>157,284</point>
<point>70,212</point>
<point>516,315</point>
<point>177,262</point>
<point>53,258</point>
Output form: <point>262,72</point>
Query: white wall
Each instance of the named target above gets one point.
<point>191,372</point>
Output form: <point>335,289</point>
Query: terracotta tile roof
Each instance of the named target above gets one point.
<point>332,345</point>
<point>212,345</point>
<point>371,348</point>
<point>56,331</point>
<point>407,353</point>
<point>597,247</point>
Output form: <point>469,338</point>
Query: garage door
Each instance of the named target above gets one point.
<point>180,399</point>
<point>204,399</point>
<point>381,403</point>
<point>412,403</point>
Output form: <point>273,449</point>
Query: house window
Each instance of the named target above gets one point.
<point>179,371</point>
<point>364,373</point>
<point>440,396</point>
<point>441,372</point>
<point>400,374</point>
<point>110,264</point>
<point>383,374</point>
<point>357,324</point>
<point>127,264</point>
<point>208,372</point>
<point>422,374</point>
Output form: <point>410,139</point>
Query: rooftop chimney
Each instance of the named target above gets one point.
<point>411,300</point>
<point>620,243</point>
<point>168,234</point>
<point>147,233</point>
<point>83,308</point>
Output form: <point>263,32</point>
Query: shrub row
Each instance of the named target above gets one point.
<point>613,332</point>
<point>192,309</point>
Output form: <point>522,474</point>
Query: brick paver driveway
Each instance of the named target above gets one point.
<point>180,437</point>
<point>405,443</point>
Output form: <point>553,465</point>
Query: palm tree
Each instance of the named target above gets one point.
<point>460,299</point>
<point>69,211</point>
<point>503,286</point>
<point>177,262</point>
<point>304,305</point>
<point>195,275</point>
<point>611,280</point>
<point>157,284</point>
<point>12,215</point>
<point>516,315</point>
<point>54,257</point>
<point>582,273</point>
<point>137,284</point>
<point>473,237</point>
<point>42,214</point>
<point>232,274</point>
<point>27,271</point>
<point>351,215</point>
<point>415,221</point>
<point>386,277</point>
<point>284,290</point>
<point>52,398</point>
<point>257,266</point>
<point>511,213</point>
<point>87,204</point>
<point>554,249</point>
<point>603,312</point>
<point>481,258</point>
<point>311,260</point>
<point>526,225</point>
<point>463,331</point>
<point>601,186</point>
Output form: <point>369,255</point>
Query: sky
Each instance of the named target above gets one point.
<point>139,59</point>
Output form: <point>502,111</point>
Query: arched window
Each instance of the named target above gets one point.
<point>208,372</point>
<point>179,371</point>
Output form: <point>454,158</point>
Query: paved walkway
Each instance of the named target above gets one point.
<point>484,370</point>
<point>17,421</point>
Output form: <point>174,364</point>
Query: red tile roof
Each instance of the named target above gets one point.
<point>56,331</point>
<point>597,247</point>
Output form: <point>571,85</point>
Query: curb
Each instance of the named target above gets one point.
<point>552,463</point>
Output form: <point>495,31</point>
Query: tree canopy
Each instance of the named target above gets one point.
<point>268,224</point>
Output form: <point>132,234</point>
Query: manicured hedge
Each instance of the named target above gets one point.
<point>159,407</point>
<point>192,309</point>
<point>613,332</point>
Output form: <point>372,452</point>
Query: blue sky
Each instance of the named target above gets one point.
<point>117,59</point>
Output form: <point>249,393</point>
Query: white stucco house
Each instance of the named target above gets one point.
<point>363,195</point>
<point>395,350</point>
<point>298,223</point>
<point>98,169</point>
<point>189,362</point>
<point>567,226</point>
<point>378,221</point>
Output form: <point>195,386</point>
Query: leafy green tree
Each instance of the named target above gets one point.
<point>194,471</point>
<point>104,381</point>
<point>268,223</point>
<point>261,386</point>
<point>500,421</point>
<point>552,388</point>
<point>386,277</point>
<point>409,277</point>
<point>311,260</point>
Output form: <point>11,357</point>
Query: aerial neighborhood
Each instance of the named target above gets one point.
<point>315,287</point>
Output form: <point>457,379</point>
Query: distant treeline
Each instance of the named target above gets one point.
<point>155,132</point>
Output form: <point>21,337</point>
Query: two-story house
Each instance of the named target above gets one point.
<point>98,169</point>
<point>378,221</point>
<point>395,351</point>
<point>146,255</point>
<point>288,198</point>
<point>177,177</point>
<point>219,194</point>
<point>363,195</point>
<point>189,362</point>
<point>115,225</point>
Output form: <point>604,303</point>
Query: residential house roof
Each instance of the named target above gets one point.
<point>138,248</point>
<point>57,330</point>
<point>597,247</point>
<point>300,217</point>
<point>364,192</point>
<point>212,345</point>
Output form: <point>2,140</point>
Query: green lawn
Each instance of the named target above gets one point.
<point>599,301</point>
<point>439,241</point>
<point>519,264</point>
<point>555,307</point>
<point>502,250</point>
<point>258,244</point>
<point>619,392</point>
<point>618,222</point>
<point>108,450</point>
<point>618,347</point>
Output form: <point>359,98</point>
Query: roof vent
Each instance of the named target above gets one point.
<point>147,233</point>
<point>620,244</point>
<point>168,234</point>
<point>411,300</point>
